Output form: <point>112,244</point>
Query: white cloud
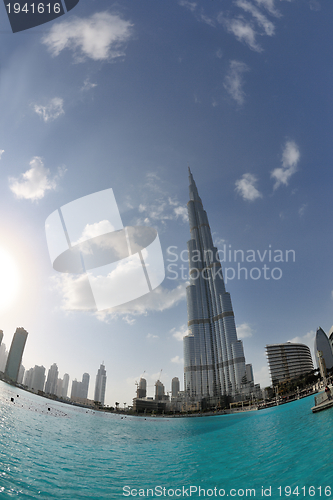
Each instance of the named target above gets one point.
<point>290,159</point>
<point>151,336</point>
<point>262,377</point>
<point>181,212</point>
<point>51,111</point>
<point>100,37</point>
<point>180,333</point>
<point>33,184</point>
<point>87,85</point>
<point>177,360</point>
<point>1,152</point>
<point>269,5</point>
<point>233,81</point>
<point>219,53</point>
<point>314,5</point>
<point>243,31</point>
<point>302,209</point>
<point>262,20</point>
<point>207,20</point>
<point>244,330</point>
<point>188,5</point>
<point>77,296</point>
<point>246,187</point>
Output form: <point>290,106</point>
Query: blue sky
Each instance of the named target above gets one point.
<point>126,95</point>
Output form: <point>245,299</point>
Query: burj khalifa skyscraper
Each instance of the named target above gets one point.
<point>214,362</point>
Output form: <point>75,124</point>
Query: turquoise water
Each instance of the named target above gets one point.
<point>67,453</point>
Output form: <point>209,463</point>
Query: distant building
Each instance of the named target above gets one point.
<point>85,385</point>
<point>3,357</point>
<point>288,361</point>
<point>100,385</point>
<point>141,391</point>
<point>76,389</point>
<point>15,354</point>
<point>28,378</point>
<point>175,387</point>
<point>323,344</point>
<point>59,387</point>
<point>20,374</point>
<point>52,378</point>
<point>65,383</point>
<point>80,389</point>
<point>1,336</point>
<point>38,378</point>
<point>159,391</point>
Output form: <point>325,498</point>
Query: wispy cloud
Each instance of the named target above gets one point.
<point>260,18</point>
<point>244,331</point>
<point>290,159</point>
<point>179,333</point>
<point>233,82</point>
<point>302,209</point>
<point>159,207</point>
<point>51,111</point>
<point>1,152</point>
<point>243,31</point>
<point>198,13</point>
<point>188,5</point>
<point>87,85</point>
<point>101,37</point>
<point>177,360</point>
<point>246,187</point>
<point>151,336</point>
<point>35,182</point>
<point>270,6</point>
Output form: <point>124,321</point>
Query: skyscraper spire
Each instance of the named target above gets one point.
<point>214,362</point>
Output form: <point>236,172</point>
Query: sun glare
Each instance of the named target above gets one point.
<point>9,279</point>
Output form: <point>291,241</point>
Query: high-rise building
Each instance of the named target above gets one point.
<point>28,378</point>
<point>3,357</point>
<point>287,361</point>
<point>15,354</point>
<point>65,383</point>
<point>76,389</point>
<point>85,385</point>
<point>175,387</point>
<point>59,387</point>
<point>20,374</point>
<point>141,391</point>
<point>52,378</point>
<point>214,362</point>
<point>159,390</point>
<point>322,344</point>
<point>38,378</point>
<point>100,385</point>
